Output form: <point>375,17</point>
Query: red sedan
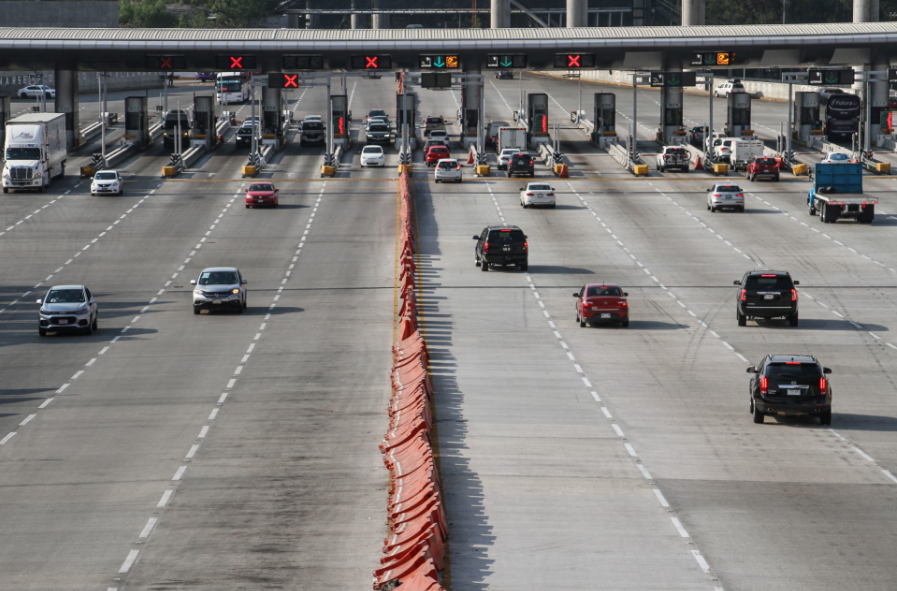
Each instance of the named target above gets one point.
<point>436,153</point>
<point>603,302</point>
<point>264,194</point>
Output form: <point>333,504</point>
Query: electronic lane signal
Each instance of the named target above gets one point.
<point>283,80</point>
<point>892,74</point>
<point>439,62</point>
<point>235,63</point>
<point>574,61</point>
<point>713,58</point>
<point>505,61</point>
<point>673,79</point>
<point>818,77</point>
<point>436,80</point>
<point>371,62</point>
<point>166,62</point>
<point>303,62</point>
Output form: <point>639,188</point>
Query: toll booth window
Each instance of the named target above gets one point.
<point>673,117</point>
<point>741,116</point>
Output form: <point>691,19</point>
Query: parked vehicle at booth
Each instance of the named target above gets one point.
<point>743,152</point>
<point>673,157</point>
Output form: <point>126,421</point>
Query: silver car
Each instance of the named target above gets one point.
<point>219,288</point>
<point>725,196</point>
<point>67,308</point>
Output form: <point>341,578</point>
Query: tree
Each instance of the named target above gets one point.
<point>754,12</point>
<point>151,14</point>
<point>227,14</point>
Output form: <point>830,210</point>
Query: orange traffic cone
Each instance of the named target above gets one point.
<point>698,164</point>
<point>470,157</point>
<point>563,174</point>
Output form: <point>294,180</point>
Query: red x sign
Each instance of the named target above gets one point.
<point>236,63</point>
<point>291,81</point>
<point>573,61</point>
<point>371,62</point>
<point>165,63</point>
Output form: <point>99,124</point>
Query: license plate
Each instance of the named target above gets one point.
<point>216,301</point>
<point>793,392</point>
<point>768,296</point>
<point>63,321</point>
<point>605,315</point>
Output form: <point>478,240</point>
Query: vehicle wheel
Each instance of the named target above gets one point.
<point>758,416</point>
<point>661,169</point>
<point>554,206</point>
<point>822,214</point>
<point>484,266</point>
<point>793,320</point>
<point>96,321</point>
<point>6,189</point>
<point>524,205</point>
<point>741,209</point>
<point>247,207</point>
<point>625,323</point>
<point>524,267</point>
<point>88,330</point>
<point>579,319</point>
<point>826,417</point>
<point>42,332</point>
<point>742,319</point>
<point>239,309</point>
<point>196,310</point>
<point>810,209</point>
<point>712,209</point>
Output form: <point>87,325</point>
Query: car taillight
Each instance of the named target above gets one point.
<point>529,194</point>
<point>551,194</point>
<point>666,156</point>
<point>486,247</point>
<point>763,384</point>
<point>823,386</point>
<point>743,295</point>
<point>525,246</point>
<point>623,304</point>
<point>740,195</point>
<point>717,195</point>
<point>530,162</point>
<point>793,295</point>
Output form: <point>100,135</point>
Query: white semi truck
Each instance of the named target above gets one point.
<point>35,151</point>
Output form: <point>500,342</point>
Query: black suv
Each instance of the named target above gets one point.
<point>791,385</point>
<point>766,294</point>
<point>521,163</point>
<point>502,245</point>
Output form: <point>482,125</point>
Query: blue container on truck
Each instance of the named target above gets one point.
<point>838,193</point>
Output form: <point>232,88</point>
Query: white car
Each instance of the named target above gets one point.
<point>505,157</point>
<point>448,169</point>
<point>106,182</point>
<point>836,158</point>
<point>36,91</point>
<point>438,134</point>
<point>372,156</point>
<point>537,194</point>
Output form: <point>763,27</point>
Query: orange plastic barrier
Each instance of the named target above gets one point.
<point>414,551</point>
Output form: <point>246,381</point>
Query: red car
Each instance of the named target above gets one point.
<point>763,167</point>
<point>603,302</point>
<point>436,153</point>
<point>261,193</point>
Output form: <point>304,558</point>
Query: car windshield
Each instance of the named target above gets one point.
<point>372,150</point>
<point>312,126</point>
<point>769,282</point>
<point>261,187</point>
<point>434,119</point>
<point>837,157</point>
<point>23,153</point>
<point>65,296</point>
<point>728,189</point>
<point>377,113</point>
<point>447,164</point>
<point>507,153</point>
<point>539,188</point>
<point>793,371</point>
<point>677,152</point>
<point>509,236</point>
<point>727,142</point>
<point>765,161</point>
<point>603,290</point>
<point>218,278</point>
<point>105,176</point>
<point>378,127</point>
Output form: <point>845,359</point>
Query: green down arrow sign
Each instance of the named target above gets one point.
<point>439,62</point>
<point>672,80</point>
<point>506,61</point>
<point>831,78</point>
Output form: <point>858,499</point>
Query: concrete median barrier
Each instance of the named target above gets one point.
<point>414,549</point>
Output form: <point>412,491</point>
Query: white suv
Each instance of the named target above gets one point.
<point>448,169</point>
<point>727,88</point>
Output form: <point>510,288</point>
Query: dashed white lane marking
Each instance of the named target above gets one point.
<point>27,420</point>
<point>45,403</point>
<point>148,528</point>
<point>192,452</point>
<point>701,562</point>
<point>678,525</point>
<point>203,432</point>
<point>644,472</point>
<point>661,498</point>
<point>7,438</point>
<point>129,561</point>
<point>179,474</point>
<point>617,429</point>
<point>222,398</point>
<point>166,496</point>
<point>62,388</point>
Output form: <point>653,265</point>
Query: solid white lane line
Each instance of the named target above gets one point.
<point>889,475</point>
<point>863,454</point>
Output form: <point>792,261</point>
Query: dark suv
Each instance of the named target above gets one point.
<point>766,294</point>
<point>521,163</point>
<point>791,385</point>
<point>502,245</point>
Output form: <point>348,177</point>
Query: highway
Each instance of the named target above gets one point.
<point>231,451</point>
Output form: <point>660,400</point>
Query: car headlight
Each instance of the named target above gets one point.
<point>235,290</point>
<point>198,292</point>
<point>83,309</point>
<point>44,312</point>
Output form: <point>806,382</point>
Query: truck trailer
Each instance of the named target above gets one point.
<point>35,151</point>
<point>838,193</point>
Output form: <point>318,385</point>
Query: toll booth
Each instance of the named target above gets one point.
<point>137,121</point>
<point>205,119</point>
<point>672,130</point>
<point>471,103</point>
<point>537,118</point>
<point>339,109</point>
<point>272,117</point>
<point>738,115</point>
<point>807,121</point>
<point>5,115</point>
<point>406,110</point>
<point>605,117</point>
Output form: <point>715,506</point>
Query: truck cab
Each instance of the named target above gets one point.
<point>35,151</point>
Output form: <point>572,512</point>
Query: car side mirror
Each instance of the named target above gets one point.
<point>193,282</point>
<point>625,294</point>
<point>523,188</point>
<point>575,295</point>
<point>708,190</point>
<point>40,300</point>
<point>243,281</point>
<point>751,369</point>
<point>797,283</point>
<point>736,282</point>
<point>552,188</point>
<point>476,237</point>
<point>826,370</point>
